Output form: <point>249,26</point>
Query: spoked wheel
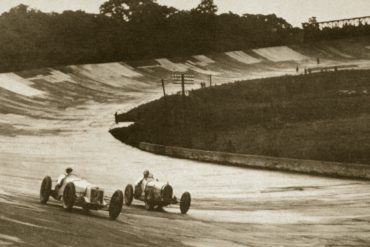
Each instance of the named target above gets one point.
<point>149,204</point>
<point>129,194</point>
<point>115,205</point>
<point>69,196</point>
<point>185,202</point>
<point>45,190</point>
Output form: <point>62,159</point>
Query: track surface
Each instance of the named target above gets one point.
<point>68,126</point>
<point>231,206</point>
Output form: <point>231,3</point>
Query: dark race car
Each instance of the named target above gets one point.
<point>155,194</point>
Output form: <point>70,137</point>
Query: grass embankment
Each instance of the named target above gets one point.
<point>320,116</point>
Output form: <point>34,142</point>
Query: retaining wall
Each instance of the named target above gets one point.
<point>356,171</point>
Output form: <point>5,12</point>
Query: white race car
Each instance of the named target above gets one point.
<point>155,193</point>
<point>75,191</point>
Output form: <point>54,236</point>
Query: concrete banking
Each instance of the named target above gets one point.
<point>333,169</point>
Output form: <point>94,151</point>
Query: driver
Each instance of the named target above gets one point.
<point>147,177</point>
<point>61,178</point>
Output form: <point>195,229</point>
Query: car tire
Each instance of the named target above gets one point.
<point>45,190</point>
<point>129,194</point>
<point>115,205</point>
<point>69,196</point>
<point>185,202</point>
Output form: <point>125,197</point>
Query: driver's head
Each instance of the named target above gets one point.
<point>146,174</point>
<point>69,170</point>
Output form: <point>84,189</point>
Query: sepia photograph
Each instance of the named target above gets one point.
<point>185,123</point>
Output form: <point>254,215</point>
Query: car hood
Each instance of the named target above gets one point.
<point>156,184</point>
<point>80,184</point>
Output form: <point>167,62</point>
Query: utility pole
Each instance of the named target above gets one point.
<point>165,123</point>
<point>210,80</point>
<point>184,79</point>
<point>164,90</point>
<point>164,95</point>
<point>183,86</point>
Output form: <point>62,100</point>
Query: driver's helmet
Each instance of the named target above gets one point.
<point>146,173</point>
<point>69,170</point>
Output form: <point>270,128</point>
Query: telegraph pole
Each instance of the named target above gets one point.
<point>184,79</point>
<point>164,124</point>
<point>183,92</point>
<point>164,90</point>
<point>164,96</point>
<point>210,80</point>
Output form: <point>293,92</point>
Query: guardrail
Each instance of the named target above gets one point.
<point>332,169</point>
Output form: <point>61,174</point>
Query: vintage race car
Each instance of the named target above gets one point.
<point>75,191</point>
<point>156,194</point>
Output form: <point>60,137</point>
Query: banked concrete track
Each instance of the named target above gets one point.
<point>57,117</point>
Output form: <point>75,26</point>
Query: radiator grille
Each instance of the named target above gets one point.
<point>96,196</point>
<point>167,192</point>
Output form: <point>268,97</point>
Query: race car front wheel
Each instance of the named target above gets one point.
<point>185,202</point>
<point>69,196</point>
<point>45,190</point>
<point>115,205</point>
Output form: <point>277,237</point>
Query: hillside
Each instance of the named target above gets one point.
<point>322,116</point>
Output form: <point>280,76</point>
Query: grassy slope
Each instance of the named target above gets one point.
<point>307,117</point>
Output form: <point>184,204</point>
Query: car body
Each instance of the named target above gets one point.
<point>72,190</point>
<point>155,193</point>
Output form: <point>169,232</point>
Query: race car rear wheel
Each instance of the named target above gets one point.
<point>45,190</point>
<point>129,194</point>
<point>185,202</point>
<point>69,196</point>
<point>115,205</point>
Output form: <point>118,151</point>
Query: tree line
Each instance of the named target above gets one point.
<point>138,30</point>
<point>130,30</point>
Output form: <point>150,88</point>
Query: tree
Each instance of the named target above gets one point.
<point>206,7</point>
<point>312,20</point>
<point>126,10</point>
<point>20,9</point>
